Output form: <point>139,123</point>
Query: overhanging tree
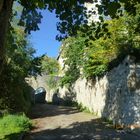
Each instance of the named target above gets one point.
<point>70,12</point>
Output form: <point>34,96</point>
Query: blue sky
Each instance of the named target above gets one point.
<point>44,40</point>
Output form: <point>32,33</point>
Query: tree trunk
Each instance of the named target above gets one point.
<point>5,12</point>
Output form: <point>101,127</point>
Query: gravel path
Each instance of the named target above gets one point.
<point>67,123</point>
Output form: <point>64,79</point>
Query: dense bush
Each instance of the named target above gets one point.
<point>52,82</point>
<point>11,126</point>
<point>72,53</point>
<point>49,65</point>
<point>106,52</point>
<point>14,91</point>
<point>92,56</point>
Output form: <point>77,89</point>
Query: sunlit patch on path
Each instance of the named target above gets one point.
<point>67,123</point>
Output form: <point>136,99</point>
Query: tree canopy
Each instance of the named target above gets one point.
<point>88,57</point>
<point>72,13</point>
<point>49,65</point>
<point>15,52</point>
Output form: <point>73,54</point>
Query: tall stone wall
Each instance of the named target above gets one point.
<point>115,96</point>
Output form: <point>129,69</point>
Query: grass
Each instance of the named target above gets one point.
<point>11,126</point>
<point>81,107</point>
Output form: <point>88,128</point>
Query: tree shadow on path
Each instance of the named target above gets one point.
<point>95,129</point>
<point>72,126</point>
<point>45,110</point>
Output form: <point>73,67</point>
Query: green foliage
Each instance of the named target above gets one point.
<point>68,79</point>
<point>101,55</point>
<point>83,108</point>
<point>72,53</point>
<point>98,58</point>
<point>52,82</point>
<point>15,93</point>
<point>72,13</point>
<point>69,12</point>
<point>49,65</point>
<point>13,124</point>
<point>92,60</point>
<point>114,8</point>
<point>19,53</point>
<point>105,53</point>
<point>108,10</point>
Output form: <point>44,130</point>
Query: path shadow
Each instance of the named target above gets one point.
<point>95,129</point>
<point>47,110</point>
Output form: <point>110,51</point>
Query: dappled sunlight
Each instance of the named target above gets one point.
<point>82,131</point>
<point>66,123</point>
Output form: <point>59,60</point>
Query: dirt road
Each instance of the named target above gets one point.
<point>67,123</point>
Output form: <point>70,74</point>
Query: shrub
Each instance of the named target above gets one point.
<point>11,125</point>
<point>52,82</point>
<point>90,54</point>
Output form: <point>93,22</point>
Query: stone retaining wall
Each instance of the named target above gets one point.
<point>115,96</point>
